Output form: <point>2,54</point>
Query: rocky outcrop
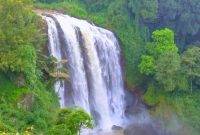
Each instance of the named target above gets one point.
<point>114,127</point>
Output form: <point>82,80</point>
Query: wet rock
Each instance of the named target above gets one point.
<point>114,127</point>
<point>142,129</point>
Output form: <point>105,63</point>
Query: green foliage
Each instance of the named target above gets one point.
<point>147,9</point>
<point>20,43</point>
<point>151,96</point>
<point>191,65</point>
<point>165,63</point>
<point>132,36</point>
<point>70,121</point>
<point>28,131</point>
<point>172,72</point>
<point>60,130</point>
<point>163,41</point>
<point>177,105</point>
<point>183,17</point>
<point>96,6</point>
<point>147,66</point>
<point>71,8</point>
<point>38,110</point>
<point>17,52</point>
<point>167,69</point>
<point>187,106</point>
<point>20,60</point>
<point>48,1</point>
<point>162,59</point>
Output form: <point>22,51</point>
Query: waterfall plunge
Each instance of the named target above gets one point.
<point>93,56</point>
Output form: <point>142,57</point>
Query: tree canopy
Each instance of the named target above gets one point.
<point>70,121</point>
<point>162,59</point>
<point>19,38</point>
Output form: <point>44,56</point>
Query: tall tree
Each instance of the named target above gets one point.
<point>167,70</point>
<point>191,65</point>
<point>162,59</point>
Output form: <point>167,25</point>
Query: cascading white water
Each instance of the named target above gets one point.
<point>93,54</point>
<point>54,49</point>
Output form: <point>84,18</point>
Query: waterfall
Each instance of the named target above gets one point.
<point>93,55</point>
<point>54,49</point>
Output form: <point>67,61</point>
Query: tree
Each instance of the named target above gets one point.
<point>167,70</point>
<point>19,37</point>
<point>191,65</point>
<point>162,59</point>
<point>60,130</point>
<point>146,9</point>
<point>163,41</point>
<point>71,120</point>
<point>147,65</point>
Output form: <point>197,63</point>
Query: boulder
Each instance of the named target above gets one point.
<point>114,127</point>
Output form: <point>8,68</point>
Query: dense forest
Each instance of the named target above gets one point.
<point>160,45</point>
